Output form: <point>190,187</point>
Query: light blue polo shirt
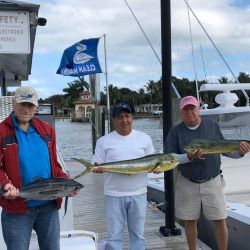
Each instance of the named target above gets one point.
<point>33,156</point>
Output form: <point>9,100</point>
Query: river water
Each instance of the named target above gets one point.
<point>74,139</point>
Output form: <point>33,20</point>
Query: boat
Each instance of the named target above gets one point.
<point>235,124</point>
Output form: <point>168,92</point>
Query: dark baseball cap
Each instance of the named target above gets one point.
<point>120,107</point>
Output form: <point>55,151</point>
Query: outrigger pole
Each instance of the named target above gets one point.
<point>107,85</point>
<point>169,229</point>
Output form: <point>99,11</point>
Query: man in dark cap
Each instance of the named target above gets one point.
<point>125,195</point>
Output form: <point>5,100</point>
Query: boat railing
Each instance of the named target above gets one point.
<point>226,99</point>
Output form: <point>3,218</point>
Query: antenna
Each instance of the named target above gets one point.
<point>195,73</point>
<point>203,64</point>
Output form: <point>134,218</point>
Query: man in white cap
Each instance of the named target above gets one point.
<point>27,151</point>
<point>199,185</point>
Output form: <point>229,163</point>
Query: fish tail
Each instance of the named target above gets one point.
<point>65,205</point>
<point>88,166</point>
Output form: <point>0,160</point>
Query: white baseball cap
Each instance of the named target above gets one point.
<point>26,94</point>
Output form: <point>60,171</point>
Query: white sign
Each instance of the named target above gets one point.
<point>14,32</point>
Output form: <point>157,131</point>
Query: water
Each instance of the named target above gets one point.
<point>74,139</point>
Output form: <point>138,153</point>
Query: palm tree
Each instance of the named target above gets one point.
<point>223,79</point>
<point>141,96</point>
<point>74,90</point>
<point>154,90</point>
<point>81,81</point>
<point>113,94</point>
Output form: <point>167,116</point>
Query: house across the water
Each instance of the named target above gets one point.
<point>83,108</point>
<point>150,109</point>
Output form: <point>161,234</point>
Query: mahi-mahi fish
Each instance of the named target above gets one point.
<point>149,163</point>
<point>213,146</point>
<point>48,189</point>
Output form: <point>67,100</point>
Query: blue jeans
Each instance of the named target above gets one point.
<point>120,209</point>
<point>44,219</point>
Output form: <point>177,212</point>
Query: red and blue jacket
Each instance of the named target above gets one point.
<point>9,165</point>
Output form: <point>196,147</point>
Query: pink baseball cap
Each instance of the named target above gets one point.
<point>188,100</point>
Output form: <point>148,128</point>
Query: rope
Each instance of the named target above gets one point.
<point>192,46</point>
<point>150,44</point>
<point>224,60</point>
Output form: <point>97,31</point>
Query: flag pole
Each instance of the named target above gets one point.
<point>107,86</point>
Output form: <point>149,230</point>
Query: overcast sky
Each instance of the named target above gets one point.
<point>130,60</point>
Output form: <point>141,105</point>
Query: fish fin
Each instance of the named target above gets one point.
<point>65,206</point>
<point>88,166</point>
<point>156,167</point>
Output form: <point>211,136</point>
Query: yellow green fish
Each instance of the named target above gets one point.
<point>149,163</point>
<point>213,146</point>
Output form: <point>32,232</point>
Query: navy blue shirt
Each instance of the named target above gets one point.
<point>180,135</point>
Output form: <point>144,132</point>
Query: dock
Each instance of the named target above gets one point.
<point>88,210</point>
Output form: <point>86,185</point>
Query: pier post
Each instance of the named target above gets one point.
<point>169,228</point>
<point>96,114</point>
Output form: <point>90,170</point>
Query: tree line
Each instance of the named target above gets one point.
<point>150,93</point>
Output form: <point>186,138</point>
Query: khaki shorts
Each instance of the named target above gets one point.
<point>192,198</point>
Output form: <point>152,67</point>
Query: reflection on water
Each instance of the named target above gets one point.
<point>74,139</point>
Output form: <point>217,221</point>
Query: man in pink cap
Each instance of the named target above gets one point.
<point>188,100</point>
<point>199,182</point>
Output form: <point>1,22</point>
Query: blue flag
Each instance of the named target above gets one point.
<point>80,59</point>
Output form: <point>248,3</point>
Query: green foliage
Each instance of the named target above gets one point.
<point>223,80</point>
<point>58,102</point>
<point>154,90</point>
<point>151,92</point>
<point>244,77</point>
<point>74,89</point>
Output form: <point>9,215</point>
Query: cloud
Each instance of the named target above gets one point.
<point>129,57</point>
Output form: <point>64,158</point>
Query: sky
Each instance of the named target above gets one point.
<point>130,60</point>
